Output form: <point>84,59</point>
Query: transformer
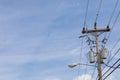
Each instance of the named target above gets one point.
<point>103,53</point>
<point>91,56</point>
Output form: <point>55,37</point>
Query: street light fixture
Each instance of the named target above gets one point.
<point>73,65</point>
<point>76,64</point>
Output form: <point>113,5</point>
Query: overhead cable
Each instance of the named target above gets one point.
<point>112,57</point>
<point>114,47</point>
<point>112,71</point>
<point>86,13</point>
<point>98,10</point>
<point>80,56</point>
<point>115,44</point>
<point>113,24</point>
<point>112,66</point>
<point>93,73</point>
<point>113,12</point>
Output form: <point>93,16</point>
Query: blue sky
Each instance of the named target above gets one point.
<point>39,38</point>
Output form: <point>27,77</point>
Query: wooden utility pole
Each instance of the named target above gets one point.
<point>95,30</point>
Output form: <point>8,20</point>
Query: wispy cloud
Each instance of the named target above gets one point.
<point>38,38</point>
<point>84,77</point>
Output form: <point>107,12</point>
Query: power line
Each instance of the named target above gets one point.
<point>115,44</point>
<point>113,24</point>
<point>85,71</point>
<point>100,3</point>
<point>86,13</point>
<point>113,12</point>
<point>110,60</point>
<point>113,47</point>
<point>80,57</point>
<point>93,73</point>
<point>86,65</point>
<point>112,66</point>
<point>112,57</point>
<point>112,71</point>
<point>84,27</point>
<point>81,51</point>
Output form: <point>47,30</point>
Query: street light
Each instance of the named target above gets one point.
<point>73,65</point>
<point>76,64</point>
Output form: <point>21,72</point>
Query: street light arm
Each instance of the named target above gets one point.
<point>74,65</point>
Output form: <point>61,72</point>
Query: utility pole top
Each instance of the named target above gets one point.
<point>95,30</point>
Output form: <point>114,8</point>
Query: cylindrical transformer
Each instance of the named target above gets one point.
<point>101,61</point>
<point>91,57</point>
<point>104,53</point>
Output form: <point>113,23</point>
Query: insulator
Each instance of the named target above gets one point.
<point>104,53</point>
<point>108,28</point>
<point>95,25</point>
<point>91,57</point>
<point>83,31</point>
<point>104,40</point>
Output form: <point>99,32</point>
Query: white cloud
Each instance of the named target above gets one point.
<point>45,78</point>
<point>83,77</point>
<point>52,79</point>
<point>9,72</point>
<point>15,59</point>
<point>111,77</point>
<point>26,57</point>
